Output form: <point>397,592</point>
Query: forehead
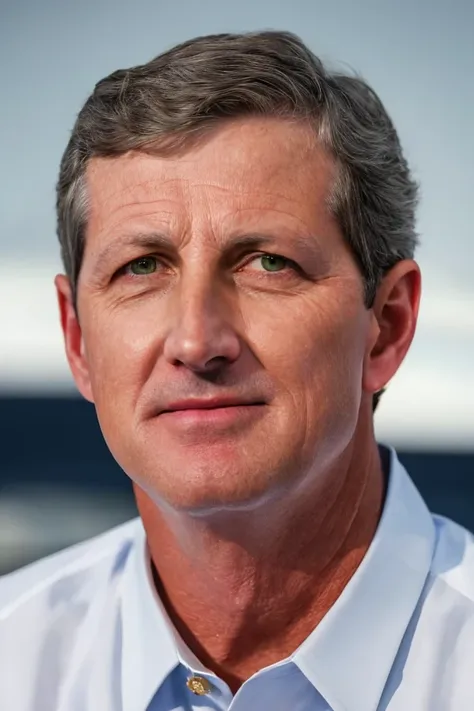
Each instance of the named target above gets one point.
<point>256,163</point>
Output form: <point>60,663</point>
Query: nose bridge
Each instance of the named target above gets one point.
<point>198,307</point>
<point>202,334</point>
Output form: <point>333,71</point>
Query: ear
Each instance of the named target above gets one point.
<point>73,340</point>
<point>394,314</point>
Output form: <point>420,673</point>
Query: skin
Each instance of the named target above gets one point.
<point>256,524</point>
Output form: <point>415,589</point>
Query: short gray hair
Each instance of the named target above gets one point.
<point>182,94</point>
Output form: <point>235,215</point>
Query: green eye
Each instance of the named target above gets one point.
<point>273,263</point>
<point>143,266</point>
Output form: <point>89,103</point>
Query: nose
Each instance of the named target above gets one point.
<point>202,337</point>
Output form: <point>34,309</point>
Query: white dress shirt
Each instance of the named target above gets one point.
<point>83,630</point>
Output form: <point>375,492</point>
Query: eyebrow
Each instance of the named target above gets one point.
<point>145,240</point>
<point>153,241</point>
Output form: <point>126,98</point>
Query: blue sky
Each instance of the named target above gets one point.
<point>419,56</point>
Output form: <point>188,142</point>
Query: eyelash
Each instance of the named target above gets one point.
<point>288,262</point>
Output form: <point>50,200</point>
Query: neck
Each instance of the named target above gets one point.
<point>244,590</point>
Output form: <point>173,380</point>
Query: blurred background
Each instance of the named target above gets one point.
<point>58,482</point>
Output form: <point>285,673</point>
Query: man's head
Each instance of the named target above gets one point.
<point>235,222</point>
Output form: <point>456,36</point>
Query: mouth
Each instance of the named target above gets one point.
<point>218,416</point>
<point>187,406</point>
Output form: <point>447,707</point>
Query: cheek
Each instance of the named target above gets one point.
<point>315,352</point>
<point>121,350</point>
<point>309,341</point>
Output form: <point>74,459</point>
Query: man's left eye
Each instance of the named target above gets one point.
<point>142,266</point>
<point>273,262</point>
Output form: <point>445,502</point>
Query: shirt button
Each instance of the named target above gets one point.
<point>198,685</point>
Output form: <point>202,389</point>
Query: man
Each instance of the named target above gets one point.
<point>237,229</point>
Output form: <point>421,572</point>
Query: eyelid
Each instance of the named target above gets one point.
<point>248,258</point>
<point>255,255</point>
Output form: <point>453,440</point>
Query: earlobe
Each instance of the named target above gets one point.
<point>395,314</point>
<point>73,339</point>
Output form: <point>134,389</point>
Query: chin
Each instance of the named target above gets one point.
<point>203,493</point>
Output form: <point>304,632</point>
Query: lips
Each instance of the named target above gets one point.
<point>208,404</point>
<point>199,421</point>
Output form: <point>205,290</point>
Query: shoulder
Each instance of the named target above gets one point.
<point>453,559</point>
<point>79,564</point>
<point>54,610</point>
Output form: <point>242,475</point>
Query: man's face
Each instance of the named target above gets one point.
<point>221,274</point>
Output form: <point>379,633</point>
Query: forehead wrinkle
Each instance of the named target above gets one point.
<point>104,215</point>
<point>132,224</point>
<point>186,190</point>
<point>269,186</point>
<point>136,201</point>
<point>105,180</point>
<point>268,211</point>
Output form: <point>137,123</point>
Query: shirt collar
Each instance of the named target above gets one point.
<point>348,657</point>
<point>149,649</point>
<point>151,646</point>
